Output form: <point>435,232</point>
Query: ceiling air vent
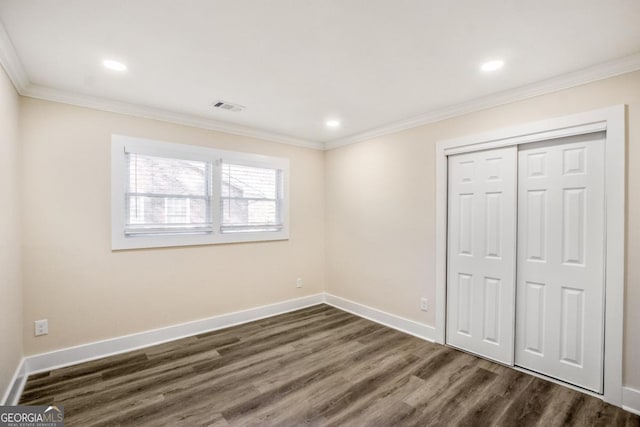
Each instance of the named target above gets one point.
<point>224,105</point>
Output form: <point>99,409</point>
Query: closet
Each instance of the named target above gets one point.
<point>525,256</point>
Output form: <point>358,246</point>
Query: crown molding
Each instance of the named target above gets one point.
<point>601,71</point>
<point>104,104</point>
<point>11,63</point>
<point>16,72</point>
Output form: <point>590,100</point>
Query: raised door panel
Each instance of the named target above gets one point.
<point>465,314</point>
<point>491,311</point>
<point>536,225</point>
<point>493,225</point>
<point>573,223</point>
<point>534,318</point>
<point>572,326</point>
<point>465,230</point>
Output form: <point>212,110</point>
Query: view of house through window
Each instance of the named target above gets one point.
<point>250,198</point>
<point>166,194</point>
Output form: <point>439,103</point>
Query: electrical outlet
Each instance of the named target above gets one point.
<point>299,282</point>
<point>424,304</point>
<point>41,327</point>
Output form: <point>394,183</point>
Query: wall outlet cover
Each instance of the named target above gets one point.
<point>41,327</point>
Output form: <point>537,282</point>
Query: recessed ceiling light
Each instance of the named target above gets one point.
<point>492,65</point>
<point>333,123</point>
<point>114,65</point>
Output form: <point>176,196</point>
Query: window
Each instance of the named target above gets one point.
<point>167,194</point>
<point>251,198</point>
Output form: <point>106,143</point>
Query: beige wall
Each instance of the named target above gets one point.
<point>10,286</point>
<point>380,198</point>
<point>88,292</point>
<point>367,208</point>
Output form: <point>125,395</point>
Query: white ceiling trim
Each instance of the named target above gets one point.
<point>13,66</point>
<point>613,68</point>
<point>65,97</point>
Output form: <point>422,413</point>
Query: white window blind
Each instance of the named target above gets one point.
<point>167,196</point>
<point>251,198</point>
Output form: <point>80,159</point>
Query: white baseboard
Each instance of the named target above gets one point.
<point>91,351</point>
<point>83,353</point>
<point>13,392</point>
<point>631,400</point>
<point>95,350</point>
<point>410,327</point>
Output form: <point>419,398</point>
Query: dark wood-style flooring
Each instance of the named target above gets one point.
<point>316,366</point>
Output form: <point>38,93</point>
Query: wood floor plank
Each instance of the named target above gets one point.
<point>306,379</point>
<point>526,408</point>
<point>465,393</point>
<point>318,366</point>
<point>388,407</point>
<point>328,388</point>
<point>491,405</point>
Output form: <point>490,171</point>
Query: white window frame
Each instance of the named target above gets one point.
<point>120,144</point>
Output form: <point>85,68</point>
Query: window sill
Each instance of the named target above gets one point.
<point>120,242</point>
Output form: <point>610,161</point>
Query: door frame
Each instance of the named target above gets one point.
<point>613,121</point>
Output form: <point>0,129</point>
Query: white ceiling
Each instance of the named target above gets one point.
<point>297,63</point>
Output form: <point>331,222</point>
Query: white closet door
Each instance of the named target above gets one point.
<point>481,253</point>
<point>560,285</point>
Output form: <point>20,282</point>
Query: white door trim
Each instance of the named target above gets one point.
<point>611,119</point>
